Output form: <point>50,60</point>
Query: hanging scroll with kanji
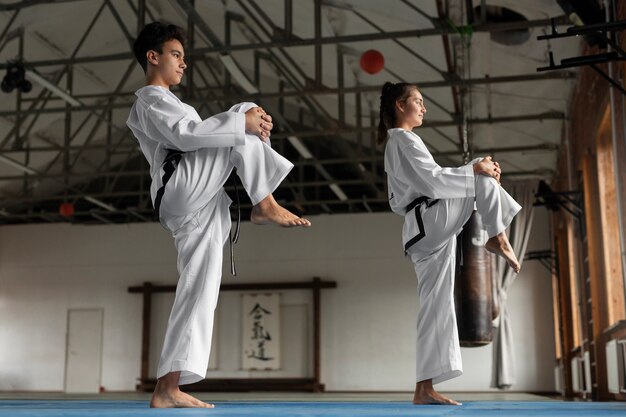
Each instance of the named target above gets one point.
<point>261,331</point>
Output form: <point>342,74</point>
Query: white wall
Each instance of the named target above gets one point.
<point>368,335</point>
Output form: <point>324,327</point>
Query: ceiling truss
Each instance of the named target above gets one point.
<point>85,166</point>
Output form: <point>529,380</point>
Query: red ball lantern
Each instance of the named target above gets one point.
<point>66,209</point>
<point>372,61</point>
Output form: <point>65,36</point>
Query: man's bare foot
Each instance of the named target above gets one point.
<point>268,211</point>
<point>426,394</point>
<point>500,245</point>
<point>434,399</point>
<point>168,395</point>
<point>176,399</point>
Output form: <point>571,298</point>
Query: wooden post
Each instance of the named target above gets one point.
<point>565,302</point>
<point>145,331</point>
<point>316,335</point>
<point>240,384</point>
<point>595,299</point>
<point>608,196</point>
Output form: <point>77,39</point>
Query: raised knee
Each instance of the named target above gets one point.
<point>487,181</point>
<point>252,140</point>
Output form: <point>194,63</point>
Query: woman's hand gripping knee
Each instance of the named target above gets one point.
<point>488,167</point>
<point>259,123</point>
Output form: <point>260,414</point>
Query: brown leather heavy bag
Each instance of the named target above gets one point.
<point>473,293</point>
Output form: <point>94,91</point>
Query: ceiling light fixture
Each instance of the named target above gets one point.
<point>300,147</point>
<point>17,165</point>
<point>338,192</point>
<point>14,78</point>
<point>99,203</point>
<point>231,66</point>
<point>236,72</point>
<point>53,88</point>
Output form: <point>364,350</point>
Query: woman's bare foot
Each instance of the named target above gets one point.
<point>268,211</point>
<point>168,395</point>
<point>426,394</point>
<point>500,245</point>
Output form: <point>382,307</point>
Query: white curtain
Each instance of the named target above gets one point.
<point>504,375</point>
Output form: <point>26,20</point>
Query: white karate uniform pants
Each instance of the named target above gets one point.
<point>195,208</point>
<point>434,259</point>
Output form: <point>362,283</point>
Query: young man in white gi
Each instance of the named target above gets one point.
<point>436,202</point>
<point>190,160</point>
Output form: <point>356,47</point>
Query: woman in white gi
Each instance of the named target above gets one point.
<point>190,160</point>
<point>436,202</point>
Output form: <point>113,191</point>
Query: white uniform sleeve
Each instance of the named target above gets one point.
<point>169,123</point>
<point>417,167</point>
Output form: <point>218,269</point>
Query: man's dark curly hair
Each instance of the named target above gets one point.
<point>152,38</point>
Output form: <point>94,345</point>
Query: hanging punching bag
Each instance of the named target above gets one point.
<point>473,285</point>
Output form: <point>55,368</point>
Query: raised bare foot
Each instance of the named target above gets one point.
<point>500,245</point>
<point>176,399</point>
<point>268,211</point>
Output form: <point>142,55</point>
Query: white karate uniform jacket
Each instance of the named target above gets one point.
<point>412,173</point>
<point>161,121</point>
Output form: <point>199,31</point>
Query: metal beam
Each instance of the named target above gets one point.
<point>350,154</point>
<point>120,22</point>
<point>556,75</point>
<point>7,27</point>
<point>317,23</point>
<point>318,111</point>
<point>429,124</point>
<point>29,3</point>
<point>294,42</point>
<point>304,162</point>
<point>539,173</point>
<point>362,88</point>
<point>102,116</point>
<point>193,14</point>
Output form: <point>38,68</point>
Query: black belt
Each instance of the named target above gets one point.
<point>418,217</point>
<point>234,238</point>
<point>169,166</point>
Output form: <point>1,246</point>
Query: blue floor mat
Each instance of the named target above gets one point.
<point>72,408</point>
